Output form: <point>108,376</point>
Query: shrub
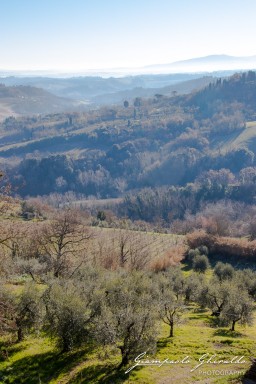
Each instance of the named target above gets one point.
<point>224,271</point>
<point>192,253</point>
<point>203,250</point>
<point>223,246</point>
<point>200,263</point>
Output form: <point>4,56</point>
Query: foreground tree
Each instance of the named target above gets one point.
<point>194,284</point>
<point>128,316</point>
<point>246,280</point>
<point>171,305</point>
<point>217,296</point>
<point>239,308</point>
<point>68,314</point>
<point>28,310</point>
<point>20,314</point>
<point>171,310</point>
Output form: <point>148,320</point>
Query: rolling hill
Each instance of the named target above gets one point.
<point>155,142</point>
<point>109,90</point>
<point>27,100</point>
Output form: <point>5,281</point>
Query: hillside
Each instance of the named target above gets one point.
<point>27,100</point>
<point>179,87</point>
<point>162,141</point>
<point>109,89</point>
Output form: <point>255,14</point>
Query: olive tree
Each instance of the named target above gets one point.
<point>171,289</point>
<point>238,308</point>
<point>217,296</point>
<point>193,286</point>
<point>224,271</point>
<point>68,313</point>
<point>128,316</point>
<point>20,314</point>
<point>246,280</point>
<point>200,263</point>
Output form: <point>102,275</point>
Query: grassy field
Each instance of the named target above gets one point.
<point>36,360</point>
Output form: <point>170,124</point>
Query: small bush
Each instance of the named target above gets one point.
<point>200,263</point>
<point>224,271</point>
<point>192,253</point>
<point>203,250</point>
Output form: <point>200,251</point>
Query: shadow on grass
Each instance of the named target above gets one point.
<point>227,333</point>
<point>163,343</point>
<point>213,321</point>
<point>40,368</point>
<point>101,374</point>
<point>6,352</point>
<point>194,317</point>
<point>236,261</point>
<point>200,310</point>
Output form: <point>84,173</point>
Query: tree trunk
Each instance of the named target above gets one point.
<point>20,334</point>
<point>56,274</point>
<point>233,325</point>
<point>171,329</point>
<point>66,345</point>
<point>125,358</point>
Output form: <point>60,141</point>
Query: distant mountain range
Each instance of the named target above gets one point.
<point>27,93</point>
<point>207,63</point>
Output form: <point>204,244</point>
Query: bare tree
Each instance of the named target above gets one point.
<point>12,236</point>
<point>64,236</point>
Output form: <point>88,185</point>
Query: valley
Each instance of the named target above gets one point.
<point>130,227</point>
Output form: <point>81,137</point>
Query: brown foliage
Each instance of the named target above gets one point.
<point>223,246</point>
<point>171,258</point>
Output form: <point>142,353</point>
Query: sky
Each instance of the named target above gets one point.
<point>76,35</point>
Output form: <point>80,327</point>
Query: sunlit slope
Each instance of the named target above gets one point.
<point>245,138</point>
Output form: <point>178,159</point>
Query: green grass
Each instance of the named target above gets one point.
<point>37,361</point>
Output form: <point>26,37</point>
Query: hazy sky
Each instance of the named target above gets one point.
<point>83,34</point>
